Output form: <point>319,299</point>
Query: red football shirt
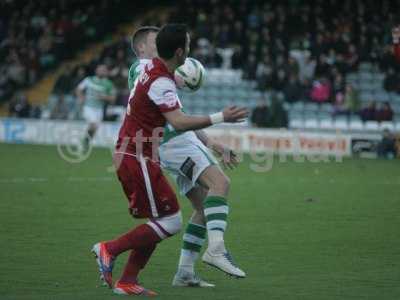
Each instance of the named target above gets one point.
<point>143,125</point>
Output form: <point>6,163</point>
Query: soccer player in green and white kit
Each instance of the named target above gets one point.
<point>144,47</point>
<point>186,156</point>
<point>93,92</point>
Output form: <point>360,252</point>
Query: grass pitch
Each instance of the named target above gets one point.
<point>301,231</point>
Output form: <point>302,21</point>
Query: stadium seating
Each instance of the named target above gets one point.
<point>226,85</point>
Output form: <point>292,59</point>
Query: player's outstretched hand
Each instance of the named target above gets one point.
<point>396,34</point>
<point>229,158</point>
<point>235,114</point>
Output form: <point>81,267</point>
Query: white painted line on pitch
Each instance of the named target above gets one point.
<point>18,180</point>
<point>85,179</point>
<point>23,179</point>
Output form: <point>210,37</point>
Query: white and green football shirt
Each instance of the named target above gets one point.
<point>94,88</point>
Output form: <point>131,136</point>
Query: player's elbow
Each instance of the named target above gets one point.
<point>179,124</point>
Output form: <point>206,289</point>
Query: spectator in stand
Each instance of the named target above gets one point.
<point>293,90</point>
<point>391,82</point>
<point>280,79</point>
<point>385,112</point>
<point>351,59</point>
<point>265,74</point>
<point>308,70</point>
<point>348,102</point>
<point>19,106</point>
<point>249,70</point>
<point>65,82</point>
<point>369,113</point>
<point>35,36</point>
<point>16,70</point>
<point>396,42</point>
<point>338,83</point>
<point>60,110</point>
<point>260,114</point>
<point>78,74</point>
<point>293,67</point>
<point>323,68</point>
<point>237,57</point>
<point>321,90</point>
<point>278,114</point>
<point>387,146</point>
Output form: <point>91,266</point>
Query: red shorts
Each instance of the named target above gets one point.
<point>147,189</point>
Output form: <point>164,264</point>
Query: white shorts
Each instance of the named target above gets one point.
<point>185,160</point>
<point>92,114</point>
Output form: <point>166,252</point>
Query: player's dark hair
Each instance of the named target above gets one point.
<point>140,35</point>
<point>170,38</point>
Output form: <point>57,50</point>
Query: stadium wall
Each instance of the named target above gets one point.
<point>242,139</point>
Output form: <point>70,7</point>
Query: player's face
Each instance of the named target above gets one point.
<point>150,45</point>
<point>101,71</point>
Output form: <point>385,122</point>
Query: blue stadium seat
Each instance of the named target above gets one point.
<point>295,114</point>
<point>355,124</point>
<point>365,86</point>
<point>298,106</point>
<point>366,96</point>
<point>326,107</point>
<point>366,67</point>
<point>396,97</point>
<point>309,115</point>
<point>395,107</point>
<point>312,107</point>
<point>341,124</point>
<point>371,125</point>
<point>387,125</point>
<point>381,96</point>
<point>397,126</point>
<point>324,116</point>
<point>296,123</point>
<point>355,118</point>
<point>311,124</point>
<point>326,124</point>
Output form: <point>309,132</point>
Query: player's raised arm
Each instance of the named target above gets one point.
<point>182,122</point>
<point>163,93</point>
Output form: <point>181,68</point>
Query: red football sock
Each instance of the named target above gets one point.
<point>137,260</point>
<point>141,237</point>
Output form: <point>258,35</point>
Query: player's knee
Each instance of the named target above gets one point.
<point>226,183</point>
<point>171,224</point>
<point>198,216</point>
<point>223,184</point>
<point>176,223</point>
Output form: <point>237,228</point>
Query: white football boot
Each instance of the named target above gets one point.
<point>186,279</point>
<point>224,262</point>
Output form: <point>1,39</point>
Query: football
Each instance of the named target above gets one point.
<point>190,75</point>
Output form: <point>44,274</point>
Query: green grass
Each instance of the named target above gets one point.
<point>301,231</point>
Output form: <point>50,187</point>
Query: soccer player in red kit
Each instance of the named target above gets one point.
<point>396,42</point>
<point>153,103</point>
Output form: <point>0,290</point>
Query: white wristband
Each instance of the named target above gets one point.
<point>217,118</point>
